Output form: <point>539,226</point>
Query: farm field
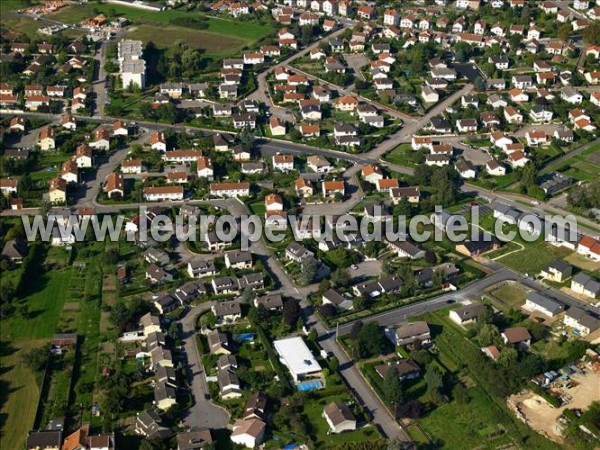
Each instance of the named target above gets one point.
<point>163,37</point>
<point>221,37</point>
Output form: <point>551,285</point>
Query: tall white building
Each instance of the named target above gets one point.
<point>131,63</point>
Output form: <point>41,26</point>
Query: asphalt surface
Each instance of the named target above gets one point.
<point>203,413</point>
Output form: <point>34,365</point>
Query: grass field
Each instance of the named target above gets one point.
<point>164,37</point>
<point>223,36</point>
<point>508,295</point>
<point>583,167</point>
<point>582,262</point>
<point>9,6</point>
<point>19,393</point>
<point>403,155</point>
<point>534,257</point>
<point>22,24</point>
<point>46,299</point>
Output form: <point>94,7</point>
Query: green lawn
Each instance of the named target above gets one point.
<point>10,6</point>
<point>508,295</point>
<point>47,295</point>
<point>534,257</point>
<point>313,409</point>
<point>257,208</point>
<point>19,392</point>
<point>403,155</point>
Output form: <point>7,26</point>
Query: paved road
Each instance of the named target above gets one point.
<point>203,413</point>
<point>585,225</point>
<point>262,92</point>
<point>94,185</point>
<point>409,128</point>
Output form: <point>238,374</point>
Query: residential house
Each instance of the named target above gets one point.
<point>467,314</point>
<point>339,417</point>
<point>584,284</point>
<point>540,303</point>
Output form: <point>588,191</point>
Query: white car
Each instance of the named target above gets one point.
<point>535,202</point>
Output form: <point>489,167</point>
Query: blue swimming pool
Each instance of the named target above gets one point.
<point>243,337</point>
<point>307,386</point>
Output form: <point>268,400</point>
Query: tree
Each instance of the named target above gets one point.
<point>480,84</point>
<point>35,359</point>
<point>291,312</point>
<point>564,32</point>
<point>422,357</point>
<point>308,270</point>
<point>528,176</point>
<point>167,112</point>
<point>247,295</point>
<point>371,340</point>
<point>591,33</point>
<point>433,378</point>
<point>334,364</point>
<point>508,357</point>
<point>460,394</point>
<point>341,277</point>
<point>111,256</point>
<point>392,386</point>
<point>488,335</point>
<point>247,139</point>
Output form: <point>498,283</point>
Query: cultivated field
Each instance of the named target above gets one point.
<point>221,37</point>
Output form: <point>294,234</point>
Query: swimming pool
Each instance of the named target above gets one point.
<point>243,337</point>
<point>307,386</point>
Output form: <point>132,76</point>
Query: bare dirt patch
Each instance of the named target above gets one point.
<point>109,283</point>
<point>72,306</point>
<point>542,417</point>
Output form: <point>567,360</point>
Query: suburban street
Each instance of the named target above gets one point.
<point>203,413</point>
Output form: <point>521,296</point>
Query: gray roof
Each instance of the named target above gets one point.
<point>583,318</point>
<point>590,284</point>
<point>44,438</point>
<point>237,256</point>
<point>269,301</point>
<point>409,330</point>
<point>545,302</point>
<point>226,308</point>
<point>470,312</point>
<point>560,266</point>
